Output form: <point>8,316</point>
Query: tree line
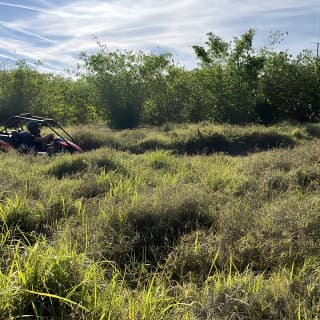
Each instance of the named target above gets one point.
<point>234,83</point>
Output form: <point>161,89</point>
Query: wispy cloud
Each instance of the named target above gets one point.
<point>18,6</point>
<point>68,27</point>
<point>18,29</point>
<point>7,57</point>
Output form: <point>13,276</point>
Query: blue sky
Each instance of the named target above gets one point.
<point>55,32</point>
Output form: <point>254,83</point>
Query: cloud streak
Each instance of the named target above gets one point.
<point>56,34</point>
<point>15,28</point>
<point>18,6</point>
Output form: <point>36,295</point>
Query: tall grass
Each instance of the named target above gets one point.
<point>199,138</point>
<point>144,230</point>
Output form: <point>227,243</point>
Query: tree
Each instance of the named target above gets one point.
<point>127,84</point>
<point>235,69</point>
<point>291,86</point>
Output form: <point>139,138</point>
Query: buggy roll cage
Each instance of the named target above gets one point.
<point>17,122</point>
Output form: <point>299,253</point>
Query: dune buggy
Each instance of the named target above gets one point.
<point>14,130</point>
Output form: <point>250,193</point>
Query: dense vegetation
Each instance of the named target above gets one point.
<point>234,83</point>
<point>150,224</point>
<point>202,212</point>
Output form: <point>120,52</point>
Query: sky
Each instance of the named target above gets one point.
<point>56,32</point>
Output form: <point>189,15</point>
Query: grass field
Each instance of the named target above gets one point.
<point>177,222</point>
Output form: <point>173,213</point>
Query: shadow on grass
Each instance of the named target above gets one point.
<point>148,232</point>
<point>147,145</point>
<point>198,143</point>
<point>313,130</point>
<point>241,145</point>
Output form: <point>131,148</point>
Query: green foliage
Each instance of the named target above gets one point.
<point>18,89</point>
<point>160,235</point>
<point>184,221</point>
<point>290,86</point>
<point>234,84</point>
<point>217,50</point>
<point>234,71</point>
<point>24,89</point>
<point>123,81</point>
